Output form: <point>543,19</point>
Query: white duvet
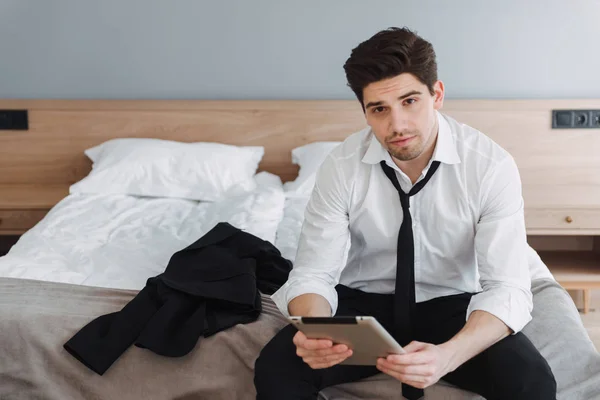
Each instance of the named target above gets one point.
<point>119,241</point>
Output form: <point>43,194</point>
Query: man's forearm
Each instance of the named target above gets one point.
<point>480,332</point>
<point>310,305</point>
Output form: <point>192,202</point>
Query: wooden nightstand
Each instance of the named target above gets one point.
<point>575,269</point>
<point>24,205</point>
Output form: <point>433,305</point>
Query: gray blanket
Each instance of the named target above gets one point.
<point>36,318</point>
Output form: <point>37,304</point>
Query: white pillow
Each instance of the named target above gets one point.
<point>309,157</point>
<point>163,168</point>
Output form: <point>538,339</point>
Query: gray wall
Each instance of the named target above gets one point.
<point>279,49</point>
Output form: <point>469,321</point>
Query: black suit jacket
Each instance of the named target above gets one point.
<point>209,286</point>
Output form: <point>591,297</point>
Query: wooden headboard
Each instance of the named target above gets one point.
<point>558,167</point>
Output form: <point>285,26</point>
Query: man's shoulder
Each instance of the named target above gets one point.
<point>474,146</point>
<point>353,148</point>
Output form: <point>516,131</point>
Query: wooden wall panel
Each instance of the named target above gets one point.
<point>559,168</point>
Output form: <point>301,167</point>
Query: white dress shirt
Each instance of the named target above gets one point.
<point>468,226</point>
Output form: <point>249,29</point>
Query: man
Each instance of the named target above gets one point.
<point>433,212</point>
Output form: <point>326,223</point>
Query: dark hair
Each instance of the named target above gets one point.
<point>389,53</point>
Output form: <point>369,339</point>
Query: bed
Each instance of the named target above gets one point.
<point>88,257</point>
<point>92,252</point>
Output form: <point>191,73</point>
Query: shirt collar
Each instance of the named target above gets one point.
<point>445,148</point>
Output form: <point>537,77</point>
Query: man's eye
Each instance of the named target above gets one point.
<point>377,110</point>
<point>410,101</point>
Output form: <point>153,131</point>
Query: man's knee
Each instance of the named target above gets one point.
<point>521,371</point>
<point>539,382</point>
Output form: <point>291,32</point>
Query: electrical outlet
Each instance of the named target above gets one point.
<point>580,119</point>
<point>595,119</point>
<point>575,119</point>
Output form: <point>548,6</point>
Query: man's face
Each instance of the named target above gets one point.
<point>401,113</point>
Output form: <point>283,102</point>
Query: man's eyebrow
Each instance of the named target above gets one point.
<point>378,103</point>
<point>411,93</point>
<point>374,104</point>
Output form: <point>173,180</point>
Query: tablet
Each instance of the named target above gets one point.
<point>364,335</point>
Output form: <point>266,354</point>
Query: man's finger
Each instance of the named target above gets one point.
<point>315,344</point>
<point>420,357</point>
<point>337,349</point>
<point>328,358</point>
<point>415,346</point>
<point>299,338</point>
<point>426,370</point>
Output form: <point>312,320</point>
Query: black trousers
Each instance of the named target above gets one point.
<point>511,369</point>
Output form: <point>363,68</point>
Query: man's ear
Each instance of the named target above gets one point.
<point>438,95</point>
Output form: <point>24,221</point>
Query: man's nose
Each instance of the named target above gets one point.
<point>398,121</point>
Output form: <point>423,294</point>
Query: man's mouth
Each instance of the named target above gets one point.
<point>401,141</point>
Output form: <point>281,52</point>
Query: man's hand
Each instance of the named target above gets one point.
<point>320,353</point>
<point>422,366</point>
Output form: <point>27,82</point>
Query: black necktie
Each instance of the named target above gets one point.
<point>404,297</point>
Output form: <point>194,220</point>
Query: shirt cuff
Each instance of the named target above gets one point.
<point>294,288</point>
<point>511,305</point>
